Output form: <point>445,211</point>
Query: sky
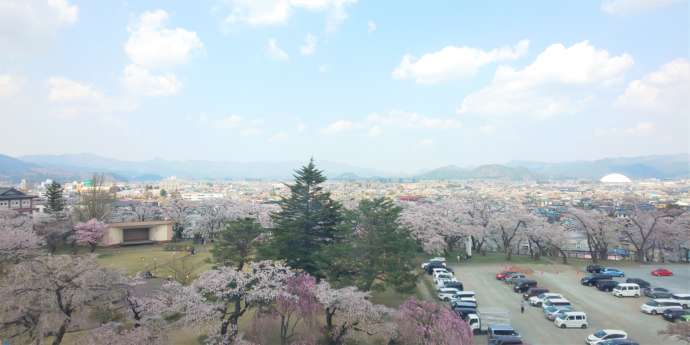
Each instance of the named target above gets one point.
<point>394,85</point>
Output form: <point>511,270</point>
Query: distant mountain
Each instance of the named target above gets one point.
<point>643,167</point>
<point>489,171</point>
<point>198,169</point>
<point>11,166</point>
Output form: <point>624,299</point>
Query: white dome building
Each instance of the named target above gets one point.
<point>615,178</point>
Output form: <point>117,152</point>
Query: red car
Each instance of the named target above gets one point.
<point>661,272</point>
<point>502,275</point>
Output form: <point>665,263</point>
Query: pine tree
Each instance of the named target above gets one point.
<point>306,223</point>
<point>55,201</point>
<point>237,242</point>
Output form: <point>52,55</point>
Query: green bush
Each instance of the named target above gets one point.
<point>176,247</point>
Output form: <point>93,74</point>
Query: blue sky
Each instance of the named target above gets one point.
<point>394,85</point>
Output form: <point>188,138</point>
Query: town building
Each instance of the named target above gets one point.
<point>16,200</point>
<point>133,233</point>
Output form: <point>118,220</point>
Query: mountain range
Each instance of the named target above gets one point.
<point>79,166</point>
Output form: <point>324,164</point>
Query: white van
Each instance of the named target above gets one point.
<point>626,290</point>
<point>659,305</point>
<point>571,319</point>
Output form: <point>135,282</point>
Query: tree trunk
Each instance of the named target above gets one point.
<point>61,331</point>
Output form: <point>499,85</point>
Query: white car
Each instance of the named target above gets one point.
<point>441,282</point>
<point>464,296</point>
<point>626,290</point>
<point>605,334</point>
<point>659,305</point>
<point>558,302</point>
<point>446,294</point>
<point>683,298</point>
<point>571,319</point>
<point>539,299</point>
<point>437,271</point>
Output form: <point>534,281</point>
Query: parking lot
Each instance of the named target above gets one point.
<point>603,310</point>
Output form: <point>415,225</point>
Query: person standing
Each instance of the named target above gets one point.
<point>522,306</point>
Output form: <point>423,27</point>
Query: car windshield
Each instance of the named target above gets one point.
<point>660,290</point>
<point>600,334</point>
<point>652,303</point>
<point>551,309</point>
<point>505,332</point>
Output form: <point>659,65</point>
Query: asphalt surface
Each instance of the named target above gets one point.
<point>603,309</point>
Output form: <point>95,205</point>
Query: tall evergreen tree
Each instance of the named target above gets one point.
<point>306,222</point>
<point>378,251</point>
<point>55,201</point>
<point>236,243</point>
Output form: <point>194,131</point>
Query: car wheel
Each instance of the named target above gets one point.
<point>446,299</point>
<point>653,312</point>
<point>563,326</point>
<point>583,326</point>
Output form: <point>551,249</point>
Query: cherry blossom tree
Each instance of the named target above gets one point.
<point>600,228</point>
<point>644,224</point>
<point>506,224</point>
<point>476,219</point>
<point>17,238</point>
<point>677,330</point>
<point>294,304</point>
<point>41,297</point>
<point>220,297</point>
<point>116,334</point>
<point>429,323</point>
<point>90,233</point>
<point>547,235</point>
<point>437,225</point>
<point>349,310</point>
<point>178,211</point>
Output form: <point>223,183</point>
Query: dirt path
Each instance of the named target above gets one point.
<point>603,310</point>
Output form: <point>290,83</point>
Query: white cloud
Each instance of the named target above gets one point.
<point>425,142</point>
<point>560,80</point>
<point>228,122</point>
<point>65,90</point>
<point>338,127</point>
<point>153,45</point>
<point>324,68</point>
<point>640,130</point>
<point>277,137</point>
<point>309,46</point>
<point>621,7</point>
<point>371,26</point>
<point>301,127</point>
<point>487,129</point>
<point>454,62</point>
<point>275,52</point>
<point>375,131</point>
<point>29,24</point>
<point>10,85</point>
<point>140,80</point>
<point>662,91</point>
<point>402,119</point>
<point>274,12</point>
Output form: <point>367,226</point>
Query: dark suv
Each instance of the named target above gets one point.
<point>641,282</point>
<point>535,291</point>
<point>522,285</point>
<point>606,285</point>
<point>657,292</point>
<point>594,268</point>
<point>501,334</point>
<point>674,314</point>
<point>454,285</point>
<point>593,279</point>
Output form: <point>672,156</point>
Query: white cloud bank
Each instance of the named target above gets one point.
<point>10,85</point>
<point>276,52</point>
<point>666,90</point>
<point>622,7</point>
<point>275,12</point>
<point>560,80</point>
<point>377,123</point>
<point>309,46</point>
<point>29,24</point>
<point>454,62</point>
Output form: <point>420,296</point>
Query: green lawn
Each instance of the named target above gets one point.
<point>152,258</point>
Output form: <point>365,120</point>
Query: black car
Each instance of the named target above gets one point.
<point>594,268</point>
<point>463,311</point>
<point>606,285</point>
<point>641,282</point>
<point>593,279</point>
<point>535,291</point>
<point>454,285</point>
<point>522,285</point>
<point>435,264</point>
<point>657,292</point>
<point>674,314</point>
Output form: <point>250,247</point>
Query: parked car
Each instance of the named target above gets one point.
<point>659,305</point>
<point>571,319</point>
<point>674,314</point>
<point>619,342</point>
<point>434,264</point>
<point>556,303</point>
<point>446,294</point>
<point>613,272</point>
<point>535,291</point>
<point>498,332</point>
<point>606,285</point>
<point>453,284</point>
<point>594,268</point>
<point>605,334</point>
<point>515,276</point>
<point>434,261</point>
<point>538,300</point>
<point>464,296</point>
<point>657,292</point>
<point>553,312</point>
<point>683,298</point>
<point>507,341</point>
<point>464,309</point>
<point>592,280</point>
<point>626,290</point>
<point>662,272</point>
<point>436,272</point>
<point>643,284</point>
<point>503,274</point>
<point>523,285</point>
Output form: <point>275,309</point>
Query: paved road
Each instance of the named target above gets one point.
<point>603,310</point>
